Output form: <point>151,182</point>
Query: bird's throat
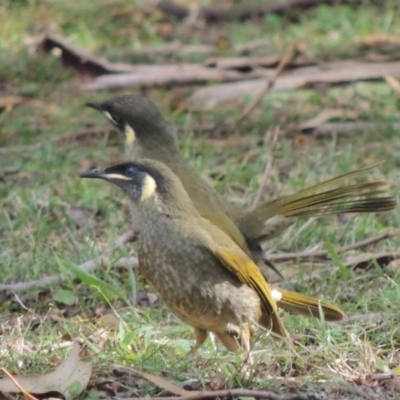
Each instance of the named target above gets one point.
<point>130,135</point>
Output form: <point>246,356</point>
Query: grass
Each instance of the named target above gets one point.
<point>40,234</point>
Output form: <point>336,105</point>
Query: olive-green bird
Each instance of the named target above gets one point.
<point>147,135</point>
<point>199,271</point>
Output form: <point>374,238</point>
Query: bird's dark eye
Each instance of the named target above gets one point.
<point>130,171</point>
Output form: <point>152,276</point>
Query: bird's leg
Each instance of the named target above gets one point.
<point>246,334</point>
<point>200,335</point>
<point>229,340</point>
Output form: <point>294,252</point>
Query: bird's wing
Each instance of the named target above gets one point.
<point>248,273</point>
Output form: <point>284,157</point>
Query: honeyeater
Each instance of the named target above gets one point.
<point>171,231</point>
<point>199,271</point>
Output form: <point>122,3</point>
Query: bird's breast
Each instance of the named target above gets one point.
<point>192,282</point>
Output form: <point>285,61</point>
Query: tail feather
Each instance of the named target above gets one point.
<point>306,305</point>
<point>358,197</point>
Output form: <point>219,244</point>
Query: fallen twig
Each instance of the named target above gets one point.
<point>324,254</point>
<point>240,63</point>
<point>242,11</point>
<point>288,57</point>
<point>328,73</point>
<point>382,376</point>
<point>343,128</point>
<point>232,393</point>
<point>149,76</point>
<point>87,266</point>
<point>99,73</point>
<point>166,49</point>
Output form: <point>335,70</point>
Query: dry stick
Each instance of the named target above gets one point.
<point>288,57</point>
<point>243,11</point>
<point>268,167</point>
<point>87,266</point>
<point>232,393</point>
<point>69,136</point>
<point>343,128</point>
<point>172,48</point>
<point>324,253</point>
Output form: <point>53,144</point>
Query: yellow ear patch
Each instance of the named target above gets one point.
<point>130,135</point>
<point>148,188</point>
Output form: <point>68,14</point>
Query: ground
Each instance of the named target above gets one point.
<point>52,221</point>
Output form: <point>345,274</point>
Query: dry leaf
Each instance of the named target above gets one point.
<point>70,378</point>
<point>27,395</point>
<point>379,40</point>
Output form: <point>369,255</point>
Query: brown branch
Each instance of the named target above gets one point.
<point>332,73</point>
<point>87,266</point>
<point>231,393</point>
<point>168,49</point>
<point>88,65</point>
<point>287,58</point>
<point>167,75</point>
<point>344,128</point>
<point>324,253</point>
<point>243,11</point>
<point>268,167</point>
<point>99,73</point>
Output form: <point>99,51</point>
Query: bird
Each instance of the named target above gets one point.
<point>147,135</point>
<point>167,193</point>
<point>199,271</point>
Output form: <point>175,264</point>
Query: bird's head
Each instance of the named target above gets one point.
<point>139,120</point>
<point>147,181</point>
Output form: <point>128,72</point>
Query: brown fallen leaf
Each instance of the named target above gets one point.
<point>27,395</point>
<point>70,378</point>
<point>379,40</point>
<point>8,102</point>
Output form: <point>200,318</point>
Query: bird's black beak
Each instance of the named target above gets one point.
<point>98,173</point>
<point>96,106</point>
